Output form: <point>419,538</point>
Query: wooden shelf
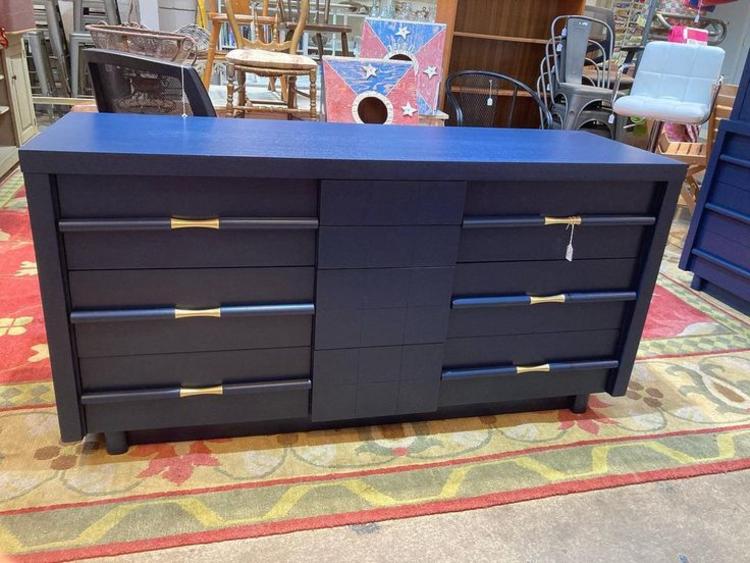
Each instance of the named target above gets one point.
<point>507,38</point>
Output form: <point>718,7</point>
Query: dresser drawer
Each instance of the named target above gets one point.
<point>726,237</point>
<point>391,203</point>
<point>193,369</point>
<point>181,196</point>
<point>506,384</point>
<point>354,328</point>
<point>371,382</point>
<point>496,239</point>
<point>205,287</point>
<point>560,197</point>
<point>544,277</point>
<point>731,187</point>
<point>108,244</point>
<point>125,332</point>
<point>523,349</point>
<point>174,407</point>
<point>387,247</point>
<point>722,273</point>
<point>374,288</point>
<point>514,314</point>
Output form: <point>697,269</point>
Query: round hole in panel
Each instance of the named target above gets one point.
<point>372,107</point>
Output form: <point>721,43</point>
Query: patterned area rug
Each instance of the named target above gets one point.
<point>687,413</point>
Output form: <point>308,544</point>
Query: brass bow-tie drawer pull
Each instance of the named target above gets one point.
<point>532,369</point>
<point>201,391</point>
<point>196,313</point>
<point>539,300</point>
<point>177,223</point>
<point>572,220</point>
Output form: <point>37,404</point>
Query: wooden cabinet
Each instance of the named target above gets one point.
<point>17,119</point>
<point>505,36</point>
<point>304,283</point>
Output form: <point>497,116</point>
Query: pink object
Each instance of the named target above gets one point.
<point>370,91</point>
<point>16,15</point>
<point>690,35</point>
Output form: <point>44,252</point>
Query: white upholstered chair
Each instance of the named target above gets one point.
<point>675,83</point>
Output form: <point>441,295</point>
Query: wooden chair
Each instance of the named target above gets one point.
<point>290,12</point>
<point>697,155</point>
<point>241,10</point>
<point>268,56</point>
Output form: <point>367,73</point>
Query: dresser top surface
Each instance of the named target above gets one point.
<point>280,144</point>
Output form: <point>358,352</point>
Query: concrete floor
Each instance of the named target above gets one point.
<point>704,519</point>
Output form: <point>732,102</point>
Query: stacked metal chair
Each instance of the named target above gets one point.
<point>575,78</point>
<point>55,59</point>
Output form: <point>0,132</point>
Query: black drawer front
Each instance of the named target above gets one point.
<point>391,203</point>
<point>549,243</point>
<point>725,237</point>
<point>189,249</point>
<point>728,276</point>
<point>204,287</point>
<point>731,187</point>
<point>193,369</point>
<point>454,392</point>
<point>560,198</point>
<point>544,277</point>
<point>387,247</point>
<point>191,335</point>
<point>352,328</point>
<point>383,287</point>
<point>382,307</point>
<point>149,196</point>
<point>371,382</point>
<point>536,319</point>
<point>140,409</point>
<point>521,349</point>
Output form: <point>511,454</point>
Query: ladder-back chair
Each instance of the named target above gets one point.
<point>266,54</point>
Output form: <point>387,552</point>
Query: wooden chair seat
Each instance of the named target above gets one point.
<point>258,58</point>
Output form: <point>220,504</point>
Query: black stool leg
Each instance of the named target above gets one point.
<point>697,283</point>
<point>116,442</point>
<point>580,404</point>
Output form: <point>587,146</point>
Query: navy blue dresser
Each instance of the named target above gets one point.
<point>717,248</point>
<point>214,277</point>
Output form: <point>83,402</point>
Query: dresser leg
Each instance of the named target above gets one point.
<point>697,283</point>
<point>116,442</point>
<point>580,404</point>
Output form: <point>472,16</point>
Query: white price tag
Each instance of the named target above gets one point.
<point>569,249</point>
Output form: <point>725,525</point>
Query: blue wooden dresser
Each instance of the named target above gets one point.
<point>717,248</point>
<point>214,277</point>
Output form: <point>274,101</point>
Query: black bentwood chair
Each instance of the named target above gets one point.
<point>478,98</point>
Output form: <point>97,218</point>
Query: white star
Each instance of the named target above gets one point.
<point>370,71</point>
<point>403,31</point>
<point>408,110</point>
<point>430,71</point>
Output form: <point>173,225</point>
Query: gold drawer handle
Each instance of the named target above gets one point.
<point>177,223</point>
<point>199,391</point>
<point>532,369</point>
<point>548,299</point>
<point>194,313</point>
<point>573,220</point>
